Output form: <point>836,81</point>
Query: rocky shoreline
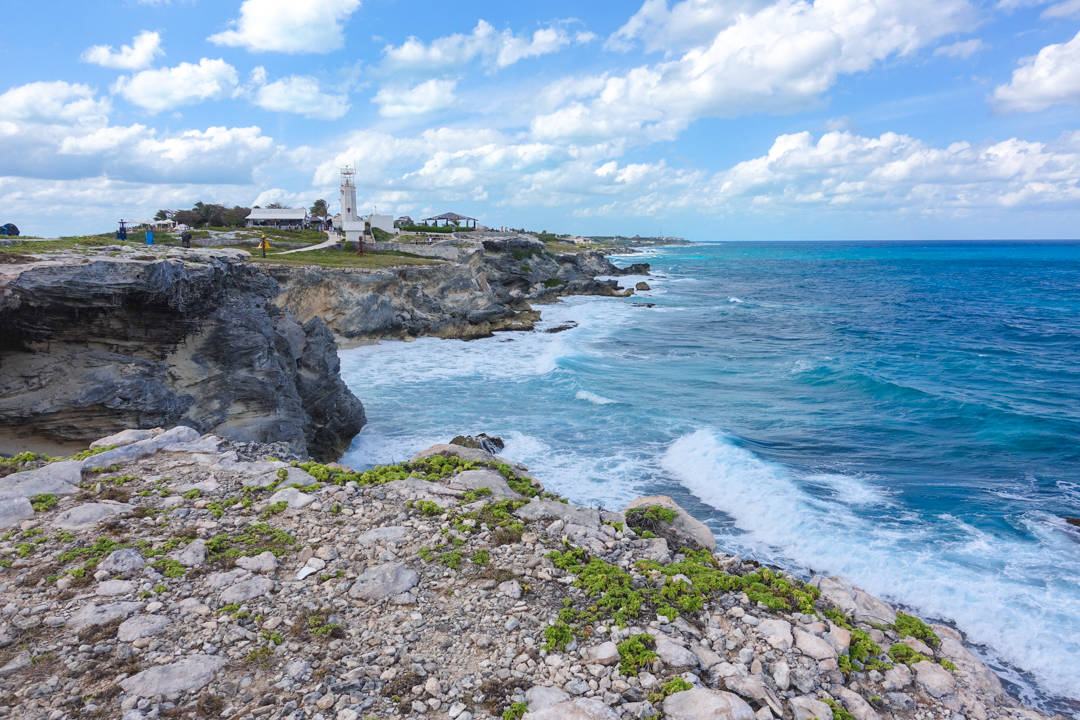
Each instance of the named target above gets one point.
<point>171,576</point>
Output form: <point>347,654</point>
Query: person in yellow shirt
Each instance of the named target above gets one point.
<point>264,244</point>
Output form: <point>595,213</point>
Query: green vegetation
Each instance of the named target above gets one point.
<point>254,540</point>
<point>635,652</point>
<point>427,508</point>
<point>43,502</point>
<point>669,688</point>
<point>553,283</point>
<point>451,559</point>
<point>474,495</point>
<point>318,626</point>
<point>909,625</point>
<point>428,228</point>
<point>557,636</point>
<point>902,653</point>
<point>480,557</point>
<point>947,664</point>
<point>193,494</point>
<point>838,713</point>
<point>279,507</point>
<point>863,651</point>
<point>169,568</point>
<point>515,711</point>
<point>653,512</point>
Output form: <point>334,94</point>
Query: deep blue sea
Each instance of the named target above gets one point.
<point>906,415</point>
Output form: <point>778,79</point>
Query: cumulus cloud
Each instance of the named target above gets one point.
<point>777,58</point>
<point>299,94</point>
<point>139,54</point>
<point>55,102</point>
<point>310,26</point>
<point>1049,78</point>
<point>1068,8</point>
<point>424,98</point>
<point>495,49</point>
<point>187,83</point>
<point>962,49</point>
<point>688,24</point>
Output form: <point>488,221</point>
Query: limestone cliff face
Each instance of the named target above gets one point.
<point>489,288</point>
<point>91,344</point>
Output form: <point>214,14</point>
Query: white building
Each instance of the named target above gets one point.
<point>290,218</point>
<point>350,224</point>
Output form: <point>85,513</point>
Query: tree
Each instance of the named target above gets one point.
<point>162,214</point>
<point>275,206</point>
<point>319,209</point>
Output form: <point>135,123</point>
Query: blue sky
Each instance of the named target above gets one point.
<point>734,119</point>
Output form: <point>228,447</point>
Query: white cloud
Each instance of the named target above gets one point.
<point>1049,78</point>
<point>299,94</point>
<point>495,49</point>
<point>779,58</point>
<point>962,49</point>
<point>426,97</point>
<point>290,26</point>
<point>688,24</point>
<point>1068,8</point>
<point>167,88</point>
<point>139,54</point>
<point>54,102</point>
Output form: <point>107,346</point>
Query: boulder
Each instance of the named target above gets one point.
<point>685,529</point>
<point>125,437</point>
<point>13,510</point>
<point>483,441</point>
<point>853,601</point>
<point>704,704</point>
<point>124,562</point>
<point>390,534</point>
<point>191,555</point>
<point>753,688</point>
<point>539,697</point>
<point>172,680</point>
<point>675,656</point>
<point>491,479</point>
<point>264,562</point>
<point>776,632</point>
<point>813,646</point>
<point>856,704</point>
<point>246,590</point>
<point>554,510</point>
<point>809,708</point>
<point>94,614</point>
<point>933,679</point>
<point>383,581</point>
<point>606,653</point>
<point>84,517</point>
<point>291,496</point>
<point>58,478</point>
<point>642,286</point>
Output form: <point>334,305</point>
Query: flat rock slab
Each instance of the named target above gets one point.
<point>125,437</point>
<point>58,478</point>
<point>115,587</point>
<point>193,555</point>
<point>539,697</point>
<point>140,626</point>
<point>390,534</point>
<point>580,709</point>
<point>808,708</point>
<point>934,679</point>
<point>172,680</point>
<point>704,704</point>
<point>674,655</point>
<point>292,497</point>
<point>264,562</point>
<point>554,510</point>
<point>813,646</point>
<point>123,562</point>
<point>14,510</point>
<point>140,449</point>
<point>247,590</point>
<point>94,614</point>
<point>384,581</point>
<point>491,479</point>
<point>87,516</point>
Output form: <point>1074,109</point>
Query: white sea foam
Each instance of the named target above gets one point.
<point>942,566</point>
<point>593,398</point>
<point>734,299</point>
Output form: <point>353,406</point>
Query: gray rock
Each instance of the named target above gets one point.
<point>115,587</point>
<point>124,562</point>
<point>897,677</point>
<point>491,479</point>
<point>686,528</point>
<point>554,510</point>
<point>389,534</point>
<point>174,679</point>
<point>58,478</point>
<point>264,562</point>
<point>509,588</point>
<point>125,437</point>
<point>94,614</point>
<point>88,515</point>
<point>754,688</point>
<point>246,590</point>
<point>776,632</point>
<point>13,510</point>
<point>704,704</point>
<point>813,646</point>
<point>606,653</point>
<point>855,704</point>
<point>142,448</point>
<point>140,626</point>
<point>579,709</point>
<point>377,583</point>
<point>934,679</point>
<point>291,496</point>
<point>854,602</point>
<point>808,708</point>
<point>15,664</point>
<point>540,697</point>
<point>191,555</point>
<point>675,656</point>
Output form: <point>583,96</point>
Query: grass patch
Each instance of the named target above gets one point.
<point>254,540</point>
<point>43,502</point>
<point>328,257</point>
<point>635,652</point>
<point>909,625</point>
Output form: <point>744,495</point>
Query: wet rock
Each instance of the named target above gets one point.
<point>482,441</point>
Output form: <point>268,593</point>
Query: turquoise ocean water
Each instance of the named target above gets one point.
<point>906,415</point>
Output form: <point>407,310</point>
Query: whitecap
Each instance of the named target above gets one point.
<point>593,398</point>
<point>734,299</point>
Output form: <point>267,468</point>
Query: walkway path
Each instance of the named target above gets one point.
<point>334,238</point>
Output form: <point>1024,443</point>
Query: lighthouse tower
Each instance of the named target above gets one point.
<point>351,224</point>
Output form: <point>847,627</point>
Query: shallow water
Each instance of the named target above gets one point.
<point>904,414</point>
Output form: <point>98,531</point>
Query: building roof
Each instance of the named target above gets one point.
<point>450,216</point>
<point>277,214</point>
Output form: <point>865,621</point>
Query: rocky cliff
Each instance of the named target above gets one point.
<point>121,337</point>
<point>490,287</point>
<point>189,582</point>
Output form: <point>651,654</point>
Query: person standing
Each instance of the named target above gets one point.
<point>264,244</point>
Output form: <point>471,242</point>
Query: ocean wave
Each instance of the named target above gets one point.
<point>593,398</point>
<point>942,566</point>
<point>734,299</point>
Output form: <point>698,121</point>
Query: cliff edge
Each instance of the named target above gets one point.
<point>129,337</point>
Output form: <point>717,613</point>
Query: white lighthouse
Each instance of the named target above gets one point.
<point>352,226</point>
